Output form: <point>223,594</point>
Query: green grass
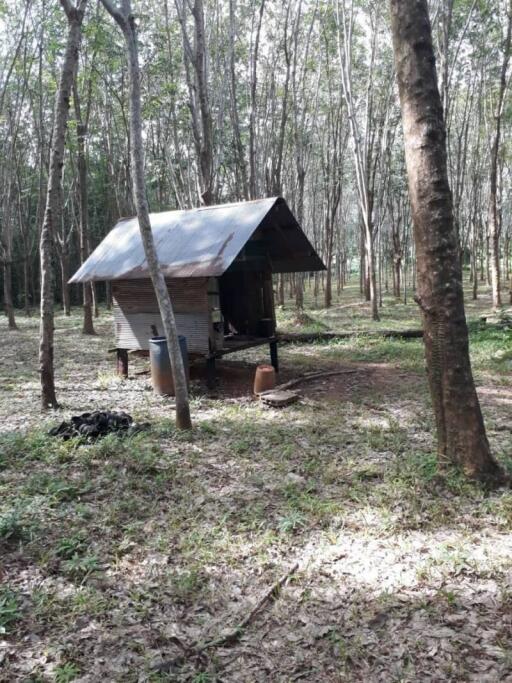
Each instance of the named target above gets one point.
<point>10,610</point>
<point>168,534</point>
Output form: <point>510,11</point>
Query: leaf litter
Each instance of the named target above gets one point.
<point>125,558</point>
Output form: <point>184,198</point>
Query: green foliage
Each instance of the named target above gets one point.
<point>55,489</point>
<point>293,521</point>
<point>79,567</point>
<point>12,528</point>
<point>202,677</point>
<point>71,546</point>
<point>36,446</point>
<point>491,346</point>
<point>64,673</point>
<point>188,584</point>
<point>10,610</point>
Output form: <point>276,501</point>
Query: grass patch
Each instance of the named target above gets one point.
<point>12,528</point>
<point>10,609</point>
<point>171,534</point>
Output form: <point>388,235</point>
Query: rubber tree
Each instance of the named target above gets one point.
<point>82,124</point>
<point>493,222</point>
<point>461,432</point>
<point>196,69</point>
<point>12,119</point>
<point>123,16</point>
<point>53,208</point>
<point>360,141</point>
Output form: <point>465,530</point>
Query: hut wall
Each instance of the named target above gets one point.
<point>136,314</point>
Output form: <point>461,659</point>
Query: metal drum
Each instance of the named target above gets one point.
<point>161,372</point>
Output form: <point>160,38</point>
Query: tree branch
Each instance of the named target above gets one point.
<point>114,11</point>
<point>68,7</point>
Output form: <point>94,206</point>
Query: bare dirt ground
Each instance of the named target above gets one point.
<point>121,561</point>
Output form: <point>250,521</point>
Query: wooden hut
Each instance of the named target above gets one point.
<point>218,262</point>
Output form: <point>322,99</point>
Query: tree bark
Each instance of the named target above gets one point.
<point>53,199</point>
<point>364,194</point>
<point>6,257</point>
<point>253,186</point>
<point>126,22</point>
<point>460,427</point>
<point>494,223</point>
<point>64,277</point>
<point>81,135</point>
<point>241,165</point>
<point>8,303</point>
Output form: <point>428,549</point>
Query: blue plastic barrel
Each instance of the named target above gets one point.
<point>161,372</point>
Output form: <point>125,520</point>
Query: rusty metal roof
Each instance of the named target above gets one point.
<point>203,242</point>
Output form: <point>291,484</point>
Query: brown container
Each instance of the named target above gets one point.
<point>264,379</point>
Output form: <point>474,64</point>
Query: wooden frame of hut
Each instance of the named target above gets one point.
<point>218,262</point>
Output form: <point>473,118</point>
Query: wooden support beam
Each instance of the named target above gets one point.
<point>122,363</point>
<point>274,359</point>
<point>211,378</point>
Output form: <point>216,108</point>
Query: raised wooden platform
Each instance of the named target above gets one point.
<point>231,345</point>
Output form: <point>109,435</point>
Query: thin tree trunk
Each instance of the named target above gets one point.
<point>494,227</point>
<point>253,190</point>
<point>64,275</point>
<point>53,199</point>
<point>81,135</point>
<point>6,252</point>
<point>460,427</point>
<point>126,22</point>
<point>8,303</point>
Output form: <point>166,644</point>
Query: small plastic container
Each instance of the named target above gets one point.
<point>264,379</point>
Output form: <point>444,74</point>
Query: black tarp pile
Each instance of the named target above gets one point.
<point>97,425</point>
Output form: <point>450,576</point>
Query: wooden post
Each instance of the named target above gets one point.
<point>274,360</point>
<point>210,372</point>
<point>122,363</point>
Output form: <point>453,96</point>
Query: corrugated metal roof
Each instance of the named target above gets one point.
<point>197,243</point>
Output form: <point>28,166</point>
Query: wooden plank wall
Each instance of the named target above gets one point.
<point>136,313</point>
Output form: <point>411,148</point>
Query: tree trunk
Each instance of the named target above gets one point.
<point>6,239</point>
<point>64,277</point>
<point>8,303</point>
<point>53,199</point>
<point>460,426</point>
<point>494,226</point>
<point>26,286</point>
<point>253,189</point>
<point>126,22</point>
<point>81,135</point>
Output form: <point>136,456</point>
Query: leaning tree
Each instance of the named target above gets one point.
<point>125,19</point>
